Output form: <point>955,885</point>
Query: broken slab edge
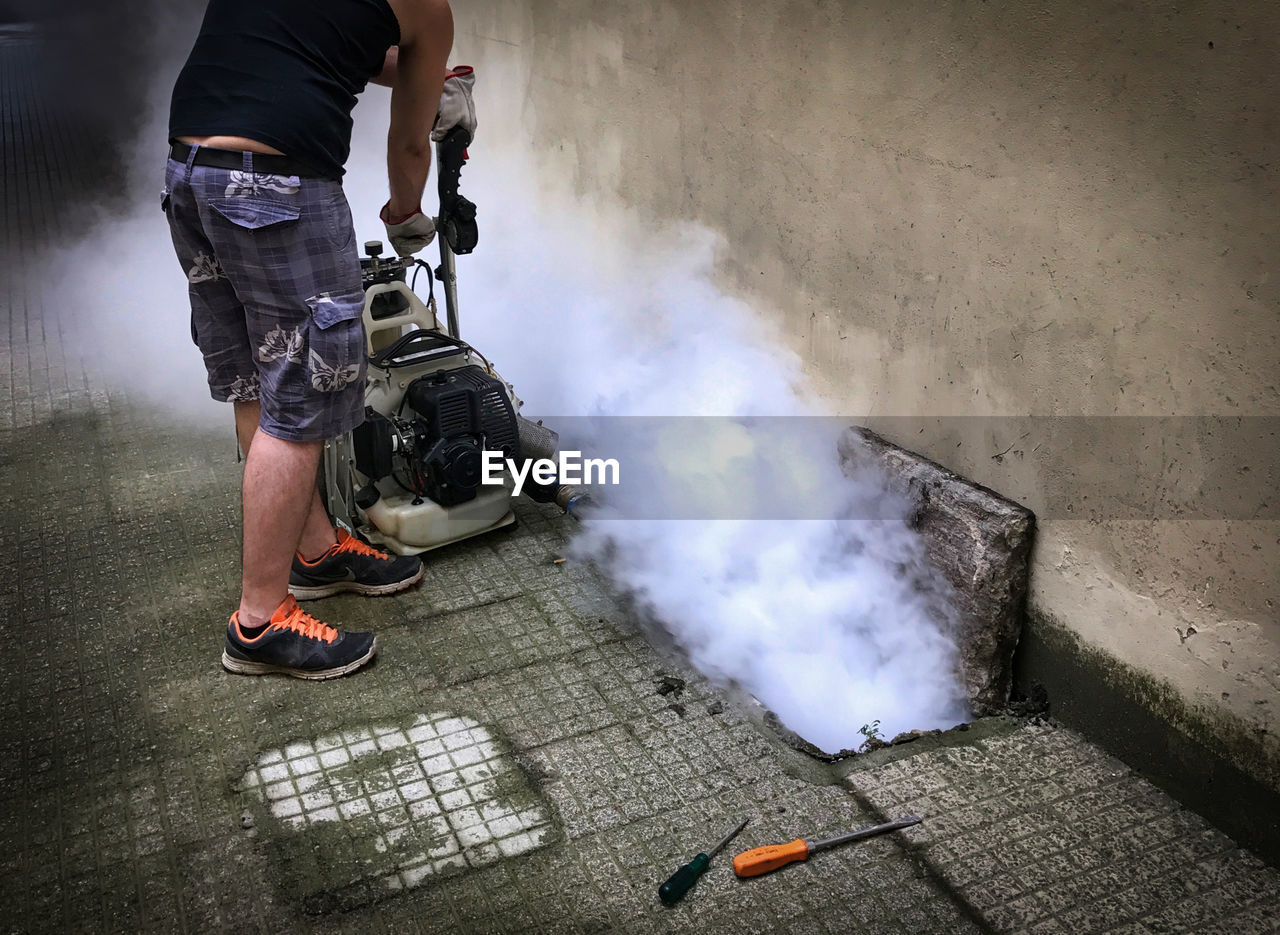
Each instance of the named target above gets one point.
<point>981,543</point>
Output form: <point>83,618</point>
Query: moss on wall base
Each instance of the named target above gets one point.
<point>1210,760</point>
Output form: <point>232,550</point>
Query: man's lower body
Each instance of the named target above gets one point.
<point>277,308</point>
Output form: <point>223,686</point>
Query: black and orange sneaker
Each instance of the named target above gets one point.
<point>353,565</point>
<point>295,643</point>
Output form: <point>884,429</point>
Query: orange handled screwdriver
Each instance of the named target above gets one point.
<point>760,860</point>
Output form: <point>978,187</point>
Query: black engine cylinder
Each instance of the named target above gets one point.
<point>461,413</point>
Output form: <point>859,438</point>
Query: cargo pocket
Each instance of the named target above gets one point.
<point>255,213</point>
<point>335,340</point>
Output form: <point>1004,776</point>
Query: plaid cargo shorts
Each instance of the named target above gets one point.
<point>276,297</point>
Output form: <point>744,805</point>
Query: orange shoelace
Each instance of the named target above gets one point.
<point>300,621</point>
<point>349,543</point>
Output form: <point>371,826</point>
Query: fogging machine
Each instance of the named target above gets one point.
<point>410,476</point>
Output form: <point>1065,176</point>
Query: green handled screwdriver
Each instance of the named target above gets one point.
<point>683,879</point>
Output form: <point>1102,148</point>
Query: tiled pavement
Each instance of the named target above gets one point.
<point>510,737</point>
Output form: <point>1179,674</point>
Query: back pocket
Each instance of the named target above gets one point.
<point>255,213</point>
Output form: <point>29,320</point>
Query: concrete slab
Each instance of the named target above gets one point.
<point>980,541</point>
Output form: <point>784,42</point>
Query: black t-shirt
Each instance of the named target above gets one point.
<point>285,73</point>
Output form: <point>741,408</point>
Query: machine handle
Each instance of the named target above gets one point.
<point>457,214</point>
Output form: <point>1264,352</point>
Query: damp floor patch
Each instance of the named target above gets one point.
<point>365,813</point>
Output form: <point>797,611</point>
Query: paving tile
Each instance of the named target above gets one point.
<point>1089,847</point>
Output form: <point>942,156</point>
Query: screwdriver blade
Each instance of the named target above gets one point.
<point>871,832</point>
<point>728,837</point>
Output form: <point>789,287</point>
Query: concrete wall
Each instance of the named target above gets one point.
<point>969,208</point>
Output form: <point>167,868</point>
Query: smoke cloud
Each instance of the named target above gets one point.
<point>612,329</point>
<point>598,315</point>
<point>113,281</point>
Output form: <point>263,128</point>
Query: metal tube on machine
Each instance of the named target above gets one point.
<point>449,278</point>
<point>572,500</point>
<point>456,226</point>
<point>538,441</point>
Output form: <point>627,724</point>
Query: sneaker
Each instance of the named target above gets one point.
<point>296,643</point>
<point>353,565</point>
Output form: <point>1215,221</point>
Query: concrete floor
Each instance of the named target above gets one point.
<point>507,764</point>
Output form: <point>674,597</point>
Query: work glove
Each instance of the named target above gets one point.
<point>408,234</point>
<point>457,109</point>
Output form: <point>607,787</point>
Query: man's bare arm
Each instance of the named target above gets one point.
<point>415,97</point>
<point>387,77</point>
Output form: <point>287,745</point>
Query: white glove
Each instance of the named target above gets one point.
<point>457,109</point>
<point>409,234</point>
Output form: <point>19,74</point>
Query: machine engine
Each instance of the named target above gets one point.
<point>435,448</point>
<point>409,477</point>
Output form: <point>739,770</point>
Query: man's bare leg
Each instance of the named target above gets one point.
<point>317,531</point>
<point>280,502</point>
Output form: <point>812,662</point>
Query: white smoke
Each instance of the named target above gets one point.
<point>590,309</point>
<point>114,282</point>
